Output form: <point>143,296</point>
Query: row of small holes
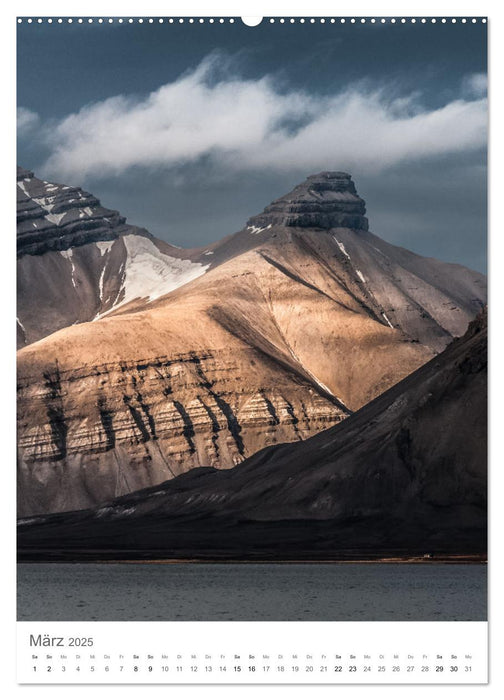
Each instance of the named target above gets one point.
<point>130,21</point>
<point>272,20</point>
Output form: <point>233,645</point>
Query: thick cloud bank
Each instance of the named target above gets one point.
<point>254,124</point>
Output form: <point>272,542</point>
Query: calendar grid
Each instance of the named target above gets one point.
<point>252,652</point>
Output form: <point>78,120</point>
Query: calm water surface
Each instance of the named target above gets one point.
<point>252,592</point>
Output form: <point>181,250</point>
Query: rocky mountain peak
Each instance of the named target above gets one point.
<point>325,200</point>
<point>54,217</point>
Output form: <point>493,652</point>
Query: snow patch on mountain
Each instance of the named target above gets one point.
<point>55,218</point>
<point>44,203</point>
<point>23,187</point>
<point>258,229</point>
<point>68,254</point>
<point>100,284</point>
<point>386,319</point>
<point>150,274</point>
<point>341,247</point>
<point>104,246</point>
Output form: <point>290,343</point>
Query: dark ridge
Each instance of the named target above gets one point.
<point>241,329</point>
<point>55,412</point>
<point>232,422</point>
<point>106,418</point>
<point>305,244</point>
<point>215,426</point>
<point>138,419</point>
<point>293,276</point>
<point>148,415</point>
<point>53,383</point>
<point>199,370</point>
<point>188,431</point>
<point>59,430</point>
<point>271,410</point>
<point>295,419</point>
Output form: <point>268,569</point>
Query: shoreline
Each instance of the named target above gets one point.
<point>453,559</point>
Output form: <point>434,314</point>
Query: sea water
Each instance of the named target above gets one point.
<point>197,591</point>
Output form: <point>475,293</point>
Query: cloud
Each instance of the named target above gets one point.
<point>27,120</point>
<point>475,85</point>
<point>255,124</point>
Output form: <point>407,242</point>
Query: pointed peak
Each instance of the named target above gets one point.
<point>325,200</point>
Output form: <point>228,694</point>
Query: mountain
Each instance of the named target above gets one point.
<point>297,321</point>
<point>406,474</point>
<point>78,260</point>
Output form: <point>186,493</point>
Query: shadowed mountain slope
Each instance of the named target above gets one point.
<point>296,322</point>
<point>404,475</point>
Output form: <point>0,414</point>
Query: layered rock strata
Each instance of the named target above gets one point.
<point>326,200</point>
<point>59,217</point>
<point>92,432</point>
<point>78,260</point>
<point>405,475</point>
<point>288,330</point>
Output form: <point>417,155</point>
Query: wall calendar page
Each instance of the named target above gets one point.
<point>251,349</point>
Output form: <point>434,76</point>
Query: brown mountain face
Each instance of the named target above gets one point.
<point>405,474</point>
<point>78,260</point>
<point>296,322</point>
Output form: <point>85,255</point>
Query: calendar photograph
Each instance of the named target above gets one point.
<point>251,320</point>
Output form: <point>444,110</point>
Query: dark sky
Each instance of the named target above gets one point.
<point>401,107</point>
